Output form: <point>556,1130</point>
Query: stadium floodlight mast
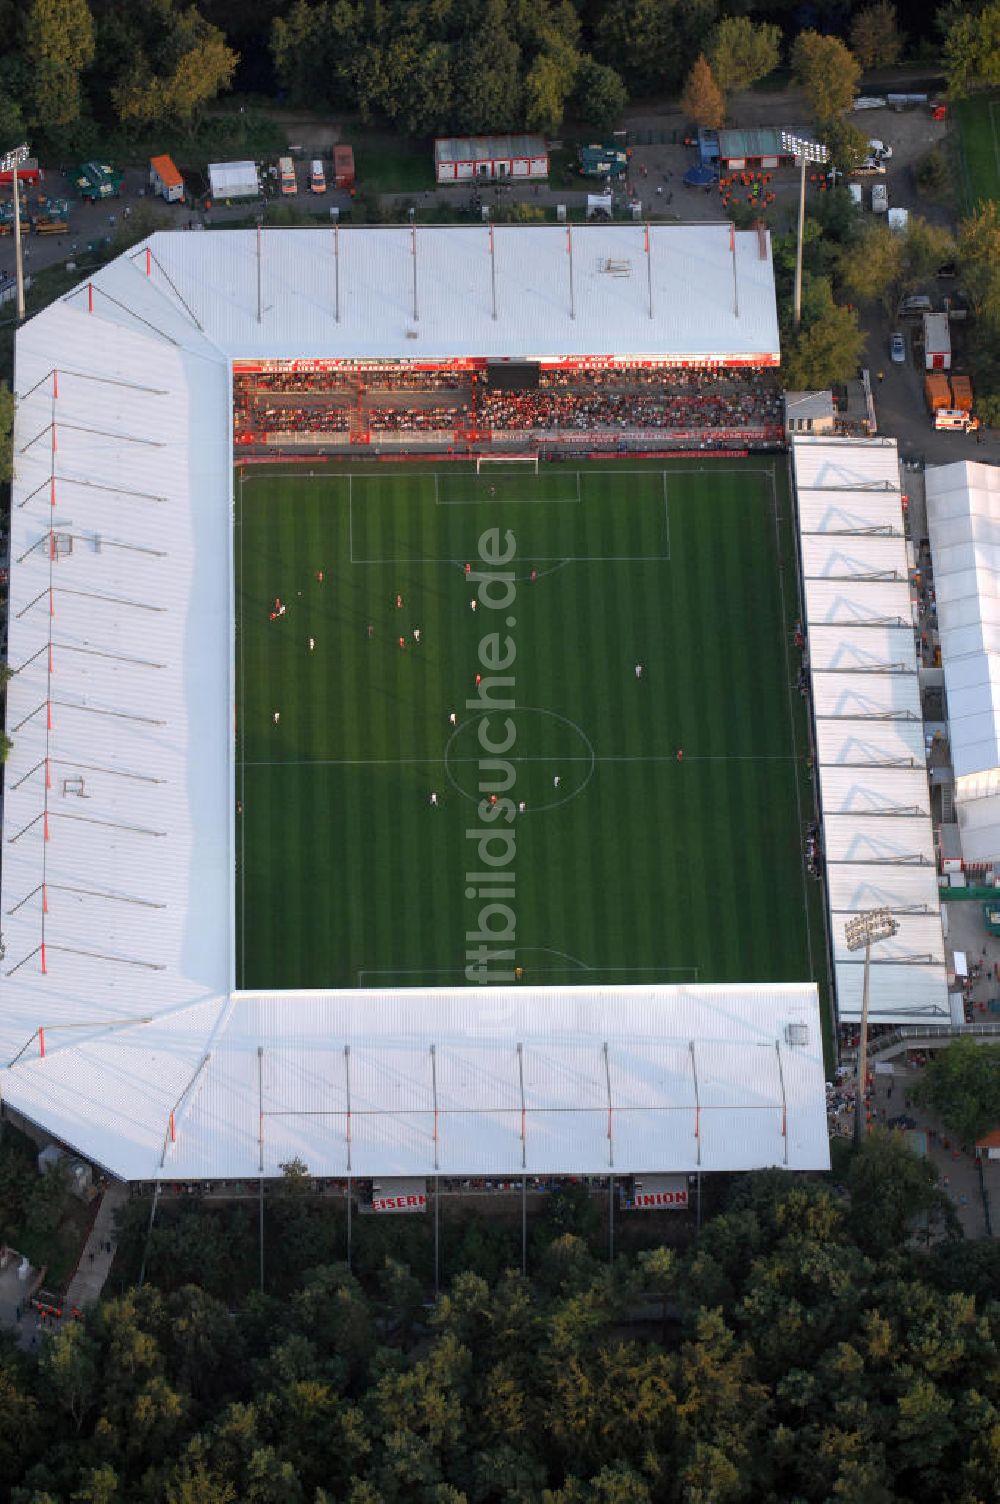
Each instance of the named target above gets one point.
<point>806,151</point>
<point>864,930</point>
<point>10,162</point>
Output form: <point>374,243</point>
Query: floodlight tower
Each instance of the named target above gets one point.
<point>10,162</point>
<point>863,930</point>
<point>806,151</point>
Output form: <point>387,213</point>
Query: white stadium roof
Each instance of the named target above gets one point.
<point>120,1030</point>
<point>712,292</point>
<point>878,840</point>
<point>963,520</point>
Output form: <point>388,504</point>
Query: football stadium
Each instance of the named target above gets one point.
<point>408,774</point>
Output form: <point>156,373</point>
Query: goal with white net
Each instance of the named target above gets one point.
<point>492,461</point>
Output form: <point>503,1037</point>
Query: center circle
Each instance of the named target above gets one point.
<point>552,767</point>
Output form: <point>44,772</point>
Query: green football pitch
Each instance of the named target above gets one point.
<point>632,865</point>
<point>979,124</point>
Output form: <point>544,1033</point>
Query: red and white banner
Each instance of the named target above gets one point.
<point>413,1202</point>
<point>648,1201</point>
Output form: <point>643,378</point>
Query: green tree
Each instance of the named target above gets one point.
<point>979,255</point>
<point>70,1368</point>
<point>7,405</point>
<point>826,351</point>
<point>828,72</point>
<point>741,51</point>
<point>962,1085</point>
<point>875,37</point>
<point>183,65</point>
<point>702,99</point>
<point>653,43</point>
<point>599,97</point>
<point>971,46</point>
<point>59,40</point>
<point>848,143</point>
<point>873,266</point>
<point>487,72</point>
<point>891,1187</point>
<point>549,83</point>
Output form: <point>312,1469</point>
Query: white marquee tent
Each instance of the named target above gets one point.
<point>878,839</point>
<point>963,520</point>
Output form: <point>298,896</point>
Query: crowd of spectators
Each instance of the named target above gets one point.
<point>604,407</point>
<point>416,419</point>
<point>315,418</point>
<point>704,403</point>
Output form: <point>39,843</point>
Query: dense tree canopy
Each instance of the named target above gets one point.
<point>798,1349</point>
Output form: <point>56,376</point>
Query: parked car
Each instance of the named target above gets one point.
<point>897,349</point>
<point>317,177</point>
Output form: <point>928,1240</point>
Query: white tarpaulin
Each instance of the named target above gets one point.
<point>963,520</point>
<point>878,841</point>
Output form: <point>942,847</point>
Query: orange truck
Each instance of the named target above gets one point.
<point>961,393</point>
<point>937,391</point>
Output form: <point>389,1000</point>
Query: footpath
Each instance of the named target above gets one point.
<point>98,1253</point>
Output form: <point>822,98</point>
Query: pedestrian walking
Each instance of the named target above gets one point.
<point>473,605</point>
<point>680,754</point>
<point>638,671</point>
<point>416,635</point>
<point>452,718</point>
<point>434,798</point>
<point>276,717</point>
<point>557,780</point>
<point>312,644</point>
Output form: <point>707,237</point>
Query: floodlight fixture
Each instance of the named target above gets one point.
<point>869,926</point>
<point>864,930</point>
<point>806,151</point>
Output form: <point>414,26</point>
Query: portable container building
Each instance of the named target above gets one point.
<point>165,180</point>
<point>465,159</point>
<point>937,342</point>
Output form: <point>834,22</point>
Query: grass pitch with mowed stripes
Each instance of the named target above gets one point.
<point>631,865</point>
<point>979,122</point>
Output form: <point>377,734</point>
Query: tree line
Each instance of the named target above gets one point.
<point>452,65</point>
<point>817,1341</point>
